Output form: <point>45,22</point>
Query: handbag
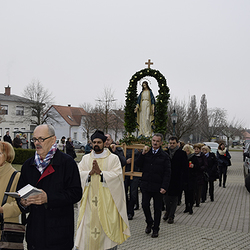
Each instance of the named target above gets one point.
<point>12,234</point>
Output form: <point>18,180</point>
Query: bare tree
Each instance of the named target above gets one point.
<point>40,99</point>
<point>187,117</point>
<point>88,124</point>
<point>232,129</point>
<point>104,107</point>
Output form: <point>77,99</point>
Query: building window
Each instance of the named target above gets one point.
<point>19,110</point>
<point>75,136</point>
<point>4,110</point>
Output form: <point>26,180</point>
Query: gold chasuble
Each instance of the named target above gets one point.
<point>102,221</point>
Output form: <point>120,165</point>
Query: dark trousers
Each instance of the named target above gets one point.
<point>131,189</point>
<point>197,194</point>
<point>157,204</point>
<point>171,205</point>
<point>210,190</point>
<point>222,172</point>
<point>189,197</point>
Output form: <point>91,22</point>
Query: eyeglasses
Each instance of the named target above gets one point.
<point>40,139</point>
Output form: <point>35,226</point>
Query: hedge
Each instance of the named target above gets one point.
<point>21,155</point>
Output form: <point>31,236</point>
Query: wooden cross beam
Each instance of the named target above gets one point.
<point>133,147</point>
<point>149,63</point>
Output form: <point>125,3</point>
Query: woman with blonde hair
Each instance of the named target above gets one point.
<point>9,211</point>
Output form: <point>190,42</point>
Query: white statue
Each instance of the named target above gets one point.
<point>145,110</point>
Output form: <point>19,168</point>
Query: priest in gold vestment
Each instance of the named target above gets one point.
<point>102,221</point>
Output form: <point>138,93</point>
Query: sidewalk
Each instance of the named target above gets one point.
<point>222,224</point>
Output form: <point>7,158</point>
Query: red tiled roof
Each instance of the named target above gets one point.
<point>72,115</point>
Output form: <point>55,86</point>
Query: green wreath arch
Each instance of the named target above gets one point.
<point>161,104</point>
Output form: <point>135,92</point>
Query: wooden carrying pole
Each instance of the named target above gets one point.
<point>133,147</point>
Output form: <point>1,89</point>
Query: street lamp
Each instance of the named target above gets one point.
<point>174,118</point>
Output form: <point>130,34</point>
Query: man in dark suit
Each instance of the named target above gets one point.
<point>156,171</point>
<point>179,170</point>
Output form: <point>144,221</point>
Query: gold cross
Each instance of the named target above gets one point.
<point>148,63</point>
<point>95,201</point>
<point>95,232</point>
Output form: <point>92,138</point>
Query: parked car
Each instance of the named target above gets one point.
<point>246,164</point>
<point>245,150</point>
<point>213,145</point>
<point>78,145</point>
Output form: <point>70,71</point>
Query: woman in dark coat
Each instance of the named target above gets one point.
<point>70,149</point>
<point>223,158</point>
<point>212,171</point>
<point>189,187</point>
<point>200,178</point>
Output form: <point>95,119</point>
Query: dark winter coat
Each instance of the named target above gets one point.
<point>192,172</point>
<point>224,160</point>
<point>202,167</point>
<point>156,170</point>
<point>212,168</point>
<point>179,172</point>
<point>70,150</point>
<point>51,225</point>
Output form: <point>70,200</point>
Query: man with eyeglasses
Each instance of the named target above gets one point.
<point>50,224</point>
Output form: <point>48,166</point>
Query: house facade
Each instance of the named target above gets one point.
<point>14,114</point>
<point>68,122</point>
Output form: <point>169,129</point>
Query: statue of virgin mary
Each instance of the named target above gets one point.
<point>145,110</point>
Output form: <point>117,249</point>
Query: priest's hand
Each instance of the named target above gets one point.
<point>96,168</point>
<point>35,199</point>
<point>1,210</point>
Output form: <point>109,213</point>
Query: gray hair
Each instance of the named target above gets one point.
<point>51,129</point>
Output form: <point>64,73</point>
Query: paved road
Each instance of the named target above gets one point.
<point>222,224</point>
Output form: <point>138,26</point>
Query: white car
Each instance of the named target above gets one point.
<point>213,145</point>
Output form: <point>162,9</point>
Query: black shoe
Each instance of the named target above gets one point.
<point>203,201</point>
<point>136,207</point>
<point>148,229</point>
<point>224,186</point>
<point>197,205</point>
<point>212,199</point>
<point>130,217</point>
<point>186,210</point>
<point>191,210</point>
<point>165,217</point>
<point>154,234</point>
<point>170,220</point>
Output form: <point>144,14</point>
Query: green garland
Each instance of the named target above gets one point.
<point>161,105</point>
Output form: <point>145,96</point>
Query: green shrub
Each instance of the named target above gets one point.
<point>22,155</point>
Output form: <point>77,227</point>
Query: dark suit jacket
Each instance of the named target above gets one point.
<point>179,172</point>
<point>156,170</point>
<point>51,225</point>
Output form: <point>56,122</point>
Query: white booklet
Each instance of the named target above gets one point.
<point>25,192</point>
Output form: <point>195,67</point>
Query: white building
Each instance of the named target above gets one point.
<point>15,114</point>
<point>68,122</point>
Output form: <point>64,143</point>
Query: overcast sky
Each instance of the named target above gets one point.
<point>76,48</point>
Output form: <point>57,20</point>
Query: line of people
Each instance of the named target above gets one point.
<point>97,182</point>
